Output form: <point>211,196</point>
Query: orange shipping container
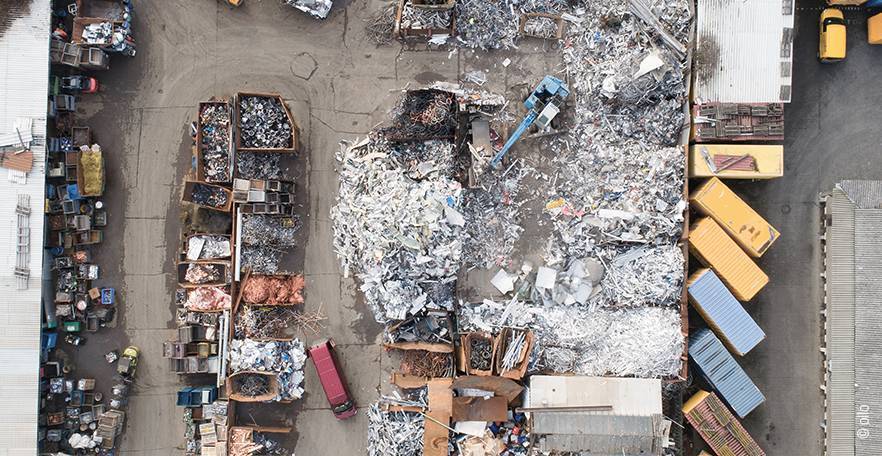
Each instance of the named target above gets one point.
<point>752,232</point>
<point>716,250</point>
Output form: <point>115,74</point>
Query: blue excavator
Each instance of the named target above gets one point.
<point>542,105</point>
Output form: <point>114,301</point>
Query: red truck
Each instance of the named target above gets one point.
<point>325,361</point>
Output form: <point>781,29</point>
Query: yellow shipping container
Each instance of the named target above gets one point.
<point>752,232</point>
<point>769,161</point>
<point>874,29</point>
<point>716,250</point>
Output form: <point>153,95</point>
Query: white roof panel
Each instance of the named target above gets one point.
<point>24,85</point>
<point>754,51</point>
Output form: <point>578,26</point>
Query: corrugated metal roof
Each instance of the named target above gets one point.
<point>864,194</point>
<point>723,313</point>
<point>754,39</point>
<point>840,326</point>
<point>723,373</point>
<point>868,323</point>
<point>597,434</point>
<point>24,84</point>
<point>633,426</point>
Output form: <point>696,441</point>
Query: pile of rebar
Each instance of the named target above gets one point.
<point>427,364</point>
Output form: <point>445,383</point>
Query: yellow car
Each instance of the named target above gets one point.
<point>832,45</point>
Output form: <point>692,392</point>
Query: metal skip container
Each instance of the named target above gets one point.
<point>716,250</point>
<point>752,232</point>
<point>723,313</point>
<point>723,373</point>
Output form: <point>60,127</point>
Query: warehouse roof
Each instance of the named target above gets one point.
<point>748,47</point>
<point>24,84</point>
<point>853,377</point>
<point>633,425</point>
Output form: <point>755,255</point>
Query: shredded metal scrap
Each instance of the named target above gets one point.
<point>208,195</point>
<point>401,237</point>
<point>418,18</point>
<point>259,165</point>
<point>394,433</point>
<point>215,121</point>
<point>316,8</point>
<point>645,276</point>
<point>285,358</point>
<point>265,230</point>
<point>644,342</point>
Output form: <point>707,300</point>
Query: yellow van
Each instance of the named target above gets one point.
<point>752,232</point>
<point>832,45</point>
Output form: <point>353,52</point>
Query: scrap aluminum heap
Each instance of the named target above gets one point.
<point>494,24</point>
<point>620,180</point>
<point>418,18</point>
<point>644,342</point>
<point>284,358</point>
<point>264,122</point>
<point>493,212</point>
<point>395,433</point>
<point>402,237</point>
<point>317,8</point>
<point>259,165</point>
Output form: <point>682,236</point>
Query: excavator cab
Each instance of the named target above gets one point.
<point>832,44</point>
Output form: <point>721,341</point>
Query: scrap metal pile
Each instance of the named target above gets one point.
<point>215,136</point>
<point>207,247</point>
<point>209,195</point>
<point>264,123</point>
<point>273,290</point>
<point>276,322</point>
<point>283,358</point>
<point>642,342</point>
<point>259,165</point>
<point>316,8</point>
<point>401,237</point>
<point>265,239</point>
<point>494,24</point>
<point>394,433</point>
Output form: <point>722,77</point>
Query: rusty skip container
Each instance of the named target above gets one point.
<point>752,232</point>
<point>716,250</point>
<point>723,313</point>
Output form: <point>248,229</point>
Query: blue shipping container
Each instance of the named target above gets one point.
<point>723,373</point>
<point>723,313</point>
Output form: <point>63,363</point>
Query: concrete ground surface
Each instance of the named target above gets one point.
<point>339,85</point>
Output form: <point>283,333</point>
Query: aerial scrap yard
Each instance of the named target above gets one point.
<point>548,253</point>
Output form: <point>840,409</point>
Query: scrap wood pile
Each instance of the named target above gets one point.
<point>248,442</point>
